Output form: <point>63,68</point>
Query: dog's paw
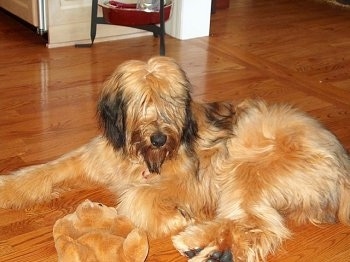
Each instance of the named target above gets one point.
<point>209,254</point>
<point>197,251</point>
<point>9,198</point>
<point>193,252</point>
<point>209,242</point>
<point>221,256</point>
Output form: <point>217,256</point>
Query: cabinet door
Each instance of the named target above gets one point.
<point>25,9</point>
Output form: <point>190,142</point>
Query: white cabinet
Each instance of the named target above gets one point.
<point>68,21</point>
<point>25,9</point>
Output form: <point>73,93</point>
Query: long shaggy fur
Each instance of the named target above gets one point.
<point>227,176</point>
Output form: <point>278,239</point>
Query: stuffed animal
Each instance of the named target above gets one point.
<point>95,232</point>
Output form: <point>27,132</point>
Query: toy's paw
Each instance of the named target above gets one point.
<point>136,245</point>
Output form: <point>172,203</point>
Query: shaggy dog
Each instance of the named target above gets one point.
<point>227,176</point>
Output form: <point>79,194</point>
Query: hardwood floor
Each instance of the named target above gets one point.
<point>283,51</point>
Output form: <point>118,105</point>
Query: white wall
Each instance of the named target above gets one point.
<point>189,19</point>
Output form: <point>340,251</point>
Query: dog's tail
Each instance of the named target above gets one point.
<point>344,204</point>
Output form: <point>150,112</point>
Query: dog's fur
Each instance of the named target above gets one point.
<point>228,176</point>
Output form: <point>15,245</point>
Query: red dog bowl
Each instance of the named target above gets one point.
<point>117,13</point>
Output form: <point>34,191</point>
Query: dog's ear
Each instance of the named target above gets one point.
<point>220,114</point>
<point>112,115</point>
<point>190,130</point>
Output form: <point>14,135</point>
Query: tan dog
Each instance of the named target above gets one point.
<point>279,164</point>
<point>231,175</point>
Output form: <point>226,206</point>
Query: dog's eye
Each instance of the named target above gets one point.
<point>101,205</point>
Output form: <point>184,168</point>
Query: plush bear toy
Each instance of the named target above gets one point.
<point>95,232</point>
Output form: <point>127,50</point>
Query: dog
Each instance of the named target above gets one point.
<point>221,179</point>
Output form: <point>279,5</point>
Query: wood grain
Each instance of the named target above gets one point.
<point>283,51</point>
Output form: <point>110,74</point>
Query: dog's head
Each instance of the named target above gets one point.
<point>145,110</point>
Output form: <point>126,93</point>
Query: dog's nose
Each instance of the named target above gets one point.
<point>158,139</point>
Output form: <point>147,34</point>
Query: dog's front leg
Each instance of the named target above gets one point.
<point>39,183</point>
<point>153,209</point>
<point>249,239</point>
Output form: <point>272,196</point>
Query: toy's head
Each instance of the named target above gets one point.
<point>96,232</point>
